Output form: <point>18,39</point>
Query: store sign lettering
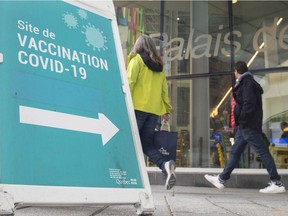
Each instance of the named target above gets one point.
<point>201,46</point>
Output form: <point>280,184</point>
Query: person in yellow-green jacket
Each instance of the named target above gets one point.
<point>149,91</point>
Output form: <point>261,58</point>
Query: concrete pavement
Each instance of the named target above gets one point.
<point>184,201</point>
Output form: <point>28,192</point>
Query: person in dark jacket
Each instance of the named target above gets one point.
<point>248,115</point>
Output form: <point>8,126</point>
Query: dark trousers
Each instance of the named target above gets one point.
<point>255,139</point>
<point>146,124</point>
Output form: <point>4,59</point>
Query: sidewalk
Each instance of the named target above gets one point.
<point>184,201</point>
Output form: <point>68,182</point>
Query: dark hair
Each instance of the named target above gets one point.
<point>241,67</point>
<point>283,125</point>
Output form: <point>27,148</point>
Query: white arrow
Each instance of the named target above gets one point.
<point>1,57</point>
<point>103,126</point>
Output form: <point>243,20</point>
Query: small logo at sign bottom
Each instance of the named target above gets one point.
<point>120,177</point>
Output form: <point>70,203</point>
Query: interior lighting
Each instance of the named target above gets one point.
<point>279,21</point>
<point>215,111</point>
<point>255,54</point>
<point>262,45</point>
<point>234,1</point>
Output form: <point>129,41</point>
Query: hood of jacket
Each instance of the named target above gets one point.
<point>156,67</point>
<point>248,76</point>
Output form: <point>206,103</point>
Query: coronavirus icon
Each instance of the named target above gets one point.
<point>70,20</point>
<point>95,37</point>
<point>82,14</point>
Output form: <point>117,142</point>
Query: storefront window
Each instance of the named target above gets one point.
<point>194,38</point>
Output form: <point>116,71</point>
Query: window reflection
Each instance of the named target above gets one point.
<point>197,52</point>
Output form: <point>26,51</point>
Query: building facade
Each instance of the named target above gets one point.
<point>200,41</point>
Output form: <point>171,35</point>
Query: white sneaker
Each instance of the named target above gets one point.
<point>171,176</point>
<point>273,188</point>
<point>214,180</point>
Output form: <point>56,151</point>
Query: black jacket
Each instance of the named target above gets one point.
<point>248,111</point>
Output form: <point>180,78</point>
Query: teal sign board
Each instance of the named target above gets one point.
<point>64,118</point>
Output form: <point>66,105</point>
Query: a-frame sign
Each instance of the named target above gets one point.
<point>68,130</point>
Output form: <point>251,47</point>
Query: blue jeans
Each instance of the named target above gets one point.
<point>146,125</point>
<point>255,139</point>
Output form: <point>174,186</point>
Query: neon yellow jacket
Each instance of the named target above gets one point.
<point>149,90</point>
